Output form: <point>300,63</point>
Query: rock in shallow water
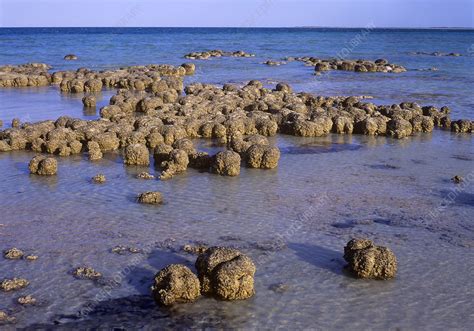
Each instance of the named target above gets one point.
<point>5,318</point>
<point>13,254</point>
<point>151,198</point>
<point>26,300</point>
<point>137,154</point>
<point>70,57</point>
<point>175,284</point>
<point>226,163</point>
<point>366,260</point>
<point>226,273</point>
<point>86,273</point>
<point>44,166</point>
<point>99,179</point>
<point>13,284</point>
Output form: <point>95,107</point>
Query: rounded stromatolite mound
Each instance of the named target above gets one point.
<point>13,254</point>
<point>44,166</point>
<point>226,273</point>
<point>226,163</point>
<point>366,260</point>
<point>175,284</point>
<point>70,57</point>
<point>150,198</point>
<point>262,156</point>
<point>137,154</point>
<point>89,101</point>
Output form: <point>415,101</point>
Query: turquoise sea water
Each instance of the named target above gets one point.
<point>293,221</point>
<point>99,48</point>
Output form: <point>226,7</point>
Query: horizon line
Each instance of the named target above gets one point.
<point>237,27</point>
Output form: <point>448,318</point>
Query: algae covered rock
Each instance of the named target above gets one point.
<point>13,254</point>
<point>145,175</point>
<point>86,273</point>
<point>89,101</point>
<point>70,57</point>
<point>226,163</point>
<point>94,151</point>
<point>137,154</point>
<point>366,260</point>
<point>99,179</point>
<point>5,318</point>
<point>26,300</point>
<point>399,128</point>
<point>150,198</point>
<point>262,156</point>
<point>175,284</point>
<point>226,273</point>
<point>43,166</point>
<point>14,284</point>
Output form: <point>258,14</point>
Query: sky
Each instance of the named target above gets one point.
<point>236,13</point>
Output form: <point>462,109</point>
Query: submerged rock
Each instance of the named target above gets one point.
<point>13,254</point>
<point>216,53</point>
<point>70,57</point>
<point>26,300</point>
<point>195,249</point>
<point>366,260</point>
<point>151,198</point>
<point>44,166</point>
<point>145,175</point>
<point>226,273</point>
<point>86,273</point>
<point>31,257</point>
<point>457,179</point>
<point>13,284</point>
<point>175,284</point>
<point>121,250</point>
<point>5,318</point>
<point>99,179</point>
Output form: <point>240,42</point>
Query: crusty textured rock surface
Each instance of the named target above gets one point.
<point>5,318</point>
<point>26,300</point>
<point>226,273</point>
<point>137,154</point>
<point>226,163</point>
<point>89,101</point>
<point>262,156</point>
<point>175,284</point>
<point>86,273</point>
<point>13,284</point>
<point>366,260</point>
<point>44,166</point>
<point>99,179</point>
<point>151,198</point>
<point>13,254</point>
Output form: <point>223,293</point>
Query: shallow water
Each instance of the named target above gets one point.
<point>313,203</point>
<point>101,48</point>
<point>293,221</point>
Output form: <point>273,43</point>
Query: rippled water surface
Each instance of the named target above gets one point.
<point>293,221</point>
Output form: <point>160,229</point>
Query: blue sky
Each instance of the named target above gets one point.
<point>240,13</point>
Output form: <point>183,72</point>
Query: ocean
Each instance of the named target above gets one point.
<point>293,221</point>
